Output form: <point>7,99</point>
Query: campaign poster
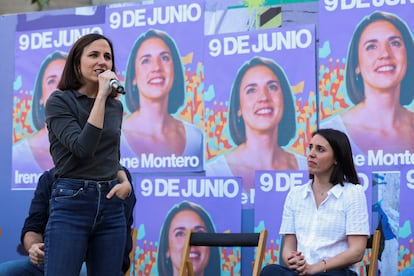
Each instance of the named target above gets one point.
<point>160,51</point>
<point>366,64</point>
<point>41,49</point>
<point>405,234</point>
<point>259,106</point>
<point>272,188</point>
<point>260,101</point>
<point>169,206</point>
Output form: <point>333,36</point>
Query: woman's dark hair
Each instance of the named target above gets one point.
<point>177,93</point>
<point>164,264</point>
<point>287,126</point>
<point>344,170</point>
<point>72,78</point>
<point>38,109</point>
<point>354,81</point>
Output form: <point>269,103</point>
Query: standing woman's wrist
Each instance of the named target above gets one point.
<point>130,187</point>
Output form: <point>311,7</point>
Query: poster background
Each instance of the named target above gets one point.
<point>152,210</point>
<point>14,204</point>
<point>33,45</point>
<point>334,42</point>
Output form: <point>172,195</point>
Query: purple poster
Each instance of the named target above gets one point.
<point>366,64</point>
<point>159,53</point>
<point>168,206</point>
<point>405,234</point>
<point>260,102</point>
<point>271,190</point>
<point>40,55</point>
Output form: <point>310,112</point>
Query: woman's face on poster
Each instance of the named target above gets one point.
<point>154,69</point>
<point>382,56</point>
<point>51,78</point>
<point>199,255</point>
<point>261,99</point>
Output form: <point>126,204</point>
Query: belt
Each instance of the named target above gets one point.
<point>86,183</point>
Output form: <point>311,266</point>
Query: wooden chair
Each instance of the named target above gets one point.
<point>373,244</point>
<point>134,233</point>
<point>257,240</point>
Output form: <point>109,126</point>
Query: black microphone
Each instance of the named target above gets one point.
<point>115,85</point>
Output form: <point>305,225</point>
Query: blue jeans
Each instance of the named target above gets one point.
<point>23,267</point>
<point>20,267</point>
<point>278,270</point>
<point>84,225</point>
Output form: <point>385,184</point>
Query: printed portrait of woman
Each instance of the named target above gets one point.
<point>155,86</point>
<point>262,123</point>
<point>380,83</point>
<point>35,148</point>
<point>181,217</point>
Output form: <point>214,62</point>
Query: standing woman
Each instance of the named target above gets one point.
<point>325,222</point>
<point>84,119</point>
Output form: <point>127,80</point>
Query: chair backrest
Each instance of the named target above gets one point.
<point>134,233</point>
<point>373,244</point>
<point>257,240</point>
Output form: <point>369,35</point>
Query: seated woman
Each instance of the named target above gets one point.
<point>325,222</point>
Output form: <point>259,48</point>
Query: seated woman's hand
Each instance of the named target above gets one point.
<point>296,261</point>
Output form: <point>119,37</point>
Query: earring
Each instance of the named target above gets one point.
<point>239,119</point>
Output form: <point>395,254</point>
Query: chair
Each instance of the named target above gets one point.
<point>257,240</point>
<point>134,233</point>
<point>373,244</point>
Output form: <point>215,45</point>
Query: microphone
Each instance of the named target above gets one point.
<point>115,85</point>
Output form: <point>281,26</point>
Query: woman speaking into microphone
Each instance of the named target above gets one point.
<point>84,118</point>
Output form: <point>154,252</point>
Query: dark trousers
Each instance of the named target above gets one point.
<point>278,270</point>
<point>84,225</point>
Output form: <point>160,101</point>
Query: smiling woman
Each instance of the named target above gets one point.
<point>156,90</point>
<point>379,82</point>
<point>262,121</point>
<point>182,217</point>
<point>35,148</point>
